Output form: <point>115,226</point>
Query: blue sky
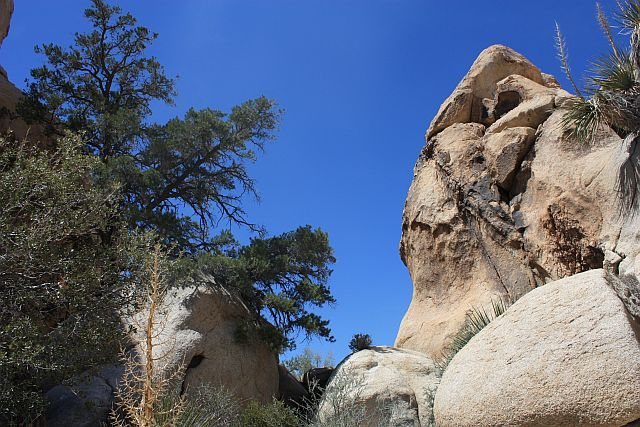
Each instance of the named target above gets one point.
<point>359,80</point>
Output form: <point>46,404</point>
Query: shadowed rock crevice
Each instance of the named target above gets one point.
<point>507,101</point>
<point>195,361</point>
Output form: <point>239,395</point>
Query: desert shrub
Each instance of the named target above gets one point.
<point>430,396</point>
<point>340,404</point>
<point>360,342</point>
<point>274,414</point>
<point>343,406</point>
<point>63,250</point>
<point>475,321</point>
<point>205,406</point>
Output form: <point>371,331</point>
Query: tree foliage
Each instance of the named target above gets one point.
<point>306,361</point>
<point>103,86</point>
<point>75,217</point>
<point>281,279</point>
<point>62,251</point>
<point>360,342</point>
<point>610,99</point>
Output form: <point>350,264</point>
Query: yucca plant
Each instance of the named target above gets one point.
<point>611,98</point>
<point>476,320</point>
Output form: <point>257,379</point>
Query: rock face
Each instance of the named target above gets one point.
<point>383,377</point>
<point>6,10</point>
<point>198,329</point>
<point>564,354</point>
<point>503,202</point>
<point>9,94</point>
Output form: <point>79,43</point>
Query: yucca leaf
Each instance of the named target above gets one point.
<point>614,72</point>
<point>583,118</point>
<point>476,320</point>
<point>628,15</point>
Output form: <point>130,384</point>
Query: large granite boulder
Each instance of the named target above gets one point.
<point>502,201</point>
<point>565,354</point>
<point>197,328</point>
<point>382,383</point>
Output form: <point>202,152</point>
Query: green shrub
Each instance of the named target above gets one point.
<point>360,342</point>
<point>62,252</point>
<point>206,406</point>
<point>274,414</point>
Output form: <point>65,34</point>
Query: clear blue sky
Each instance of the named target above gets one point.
<point>359,80</point>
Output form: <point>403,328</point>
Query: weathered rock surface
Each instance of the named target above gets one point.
<point>503,202</point>
<point>6,10</point>
<point>565,354</point>
<point>10,94</point>
<point>384,377</point>
<point>85,403</point>
<point>474,96</point>
<point>197,328</point>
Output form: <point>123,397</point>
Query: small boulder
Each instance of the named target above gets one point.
<point>564,354</point>
<point>382,382</point>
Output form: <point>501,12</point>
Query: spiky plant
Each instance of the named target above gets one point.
<point>476,320</point>
<point>611,98</point>
<point>144,397</point>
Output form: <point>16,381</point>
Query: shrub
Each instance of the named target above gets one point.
<point>62,253</point>
<point>343,406</point>
<point>274,414</point>
<point>360,342</point>
<point>209,406</point>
